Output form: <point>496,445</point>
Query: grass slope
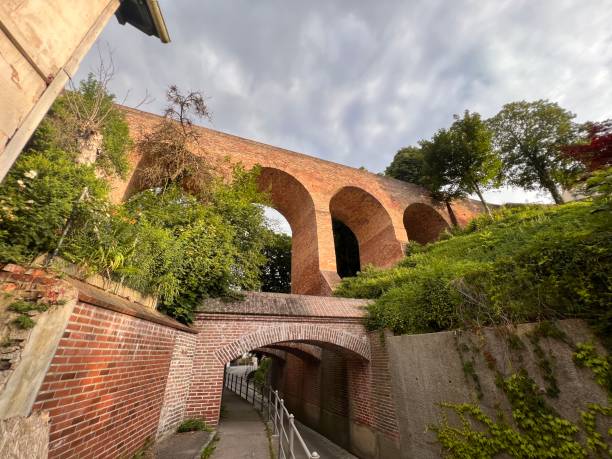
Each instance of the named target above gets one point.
<point>525,263</point>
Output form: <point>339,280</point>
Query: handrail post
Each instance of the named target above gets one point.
<point>240,391</point>
<point>282,425</point>
<point>276,411</point>
<point>291,429</point>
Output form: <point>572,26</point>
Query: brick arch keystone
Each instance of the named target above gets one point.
<point>357,345</point>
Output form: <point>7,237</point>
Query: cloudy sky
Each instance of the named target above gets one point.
<point>352,81</point>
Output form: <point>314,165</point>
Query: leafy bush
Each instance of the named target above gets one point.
<point>164,241</point>
<point>80,114</point>
<point>523,263</point>
<point>37,197</point>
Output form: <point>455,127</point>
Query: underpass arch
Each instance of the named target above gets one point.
<point>352,345</point>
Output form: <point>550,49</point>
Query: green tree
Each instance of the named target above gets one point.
<point>529,137</point>
<point>407,165</point>
<point>460,160</point>
<point>276,272</point>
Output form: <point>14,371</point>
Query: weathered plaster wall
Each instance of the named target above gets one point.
<point>428,369</point>
<point>41,46</point>
<point>25,437</point>
<point>25,354</point>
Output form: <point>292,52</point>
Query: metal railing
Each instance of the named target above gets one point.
<point>272,407</point>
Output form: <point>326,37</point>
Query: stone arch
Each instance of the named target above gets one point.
<point>423,223</point>
<point>368,219</point>
<point>291,198</point>
<point>358,347</point>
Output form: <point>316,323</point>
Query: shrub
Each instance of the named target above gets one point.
<point>192,425</point>
<point>522,264</point>
<point>24,322</point>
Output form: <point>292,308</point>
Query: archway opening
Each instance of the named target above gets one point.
<point>275,274</point>
<point>347,250</point>
<point>370,223</point>
<point>289,197</point>
<point>313,379</point>
<point>423,223</point>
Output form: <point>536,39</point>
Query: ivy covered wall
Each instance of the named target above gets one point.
<point>536,390</point>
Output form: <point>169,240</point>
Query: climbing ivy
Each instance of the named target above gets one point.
<point>536,430</point>
<point>586,356</point>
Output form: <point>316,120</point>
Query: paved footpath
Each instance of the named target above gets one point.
<point>242,433</point>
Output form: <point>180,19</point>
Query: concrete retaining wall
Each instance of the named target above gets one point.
<point>429,369</point>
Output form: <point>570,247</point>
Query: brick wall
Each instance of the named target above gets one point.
<point>106,384</point>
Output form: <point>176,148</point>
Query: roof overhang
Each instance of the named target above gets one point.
<point>145,15</point>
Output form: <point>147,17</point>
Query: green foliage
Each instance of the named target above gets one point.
<point>407,165</point>
<point>167,241</point>
<point>261,374</point>
<point>539,433</point>
<point>37,198</point>
<point>586,356</point>
<point>24,322</point>
<point>276,272</point>
<point>522,264</point>
<point>461,160</point>
<point>192,425</point>
<point>599,187</point>
<point>170,244</point>
<point>210,448</point>
<point>529,137</point>
<point>26,306</point>
<point>77,116</point>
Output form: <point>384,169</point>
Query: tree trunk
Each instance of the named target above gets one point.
<point>451,213</point>
<point>482,200</point>
<point>547,182</point>
<point>555,193</point>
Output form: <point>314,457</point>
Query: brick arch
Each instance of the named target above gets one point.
<point>291,198</point>
<point>355,345</point>
<point>423,223</point>
<point>370,222</point>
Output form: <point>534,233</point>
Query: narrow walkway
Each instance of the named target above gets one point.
<point>242,433</point>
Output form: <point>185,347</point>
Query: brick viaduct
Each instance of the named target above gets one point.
<point>333,374</point>
<point>383,213</point>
